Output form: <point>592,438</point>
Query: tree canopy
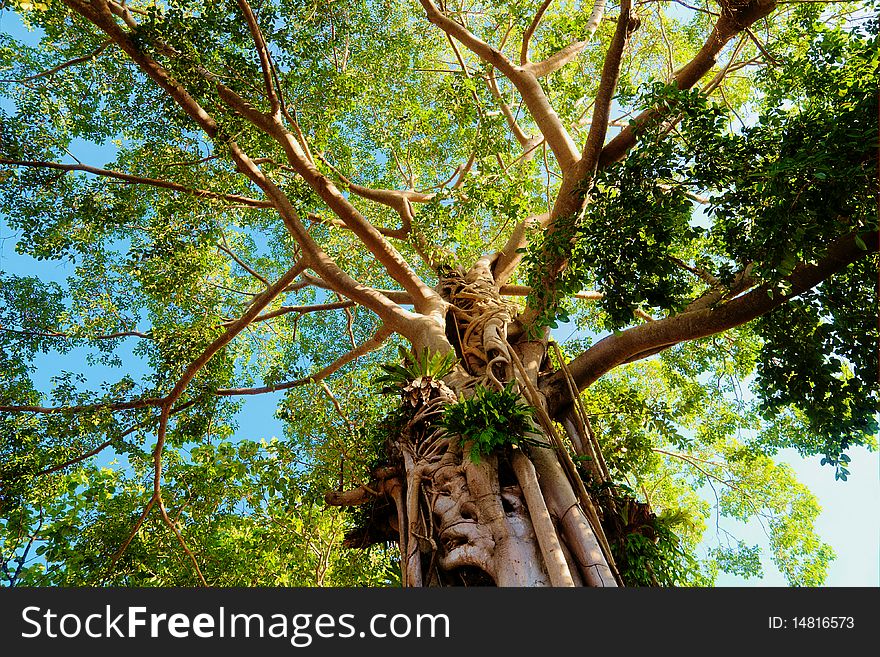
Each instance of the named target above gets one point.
<point>648,226</point>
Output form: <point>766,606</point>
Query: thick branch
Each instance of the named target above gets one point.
<point>524,80</point>
<point>653,337</point>
<point>562,57</point>
<point>570,199</point>
<point>626,23</point>
<point>729,24</point>
<point>509,257</point>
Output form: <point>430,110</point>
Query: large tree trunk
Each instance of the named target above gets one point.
<point>518,517</point>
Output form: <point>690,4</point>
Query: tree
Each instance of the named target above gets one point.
<point>383,208</point>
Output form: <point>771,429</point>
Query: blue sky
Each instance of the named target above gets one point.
<point>849,521</point>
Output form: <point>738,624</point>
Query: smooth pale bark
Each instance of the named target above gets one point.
<point>551,547</point>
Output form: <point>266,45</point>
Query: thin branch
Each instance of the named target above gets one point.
<point>69,336</point>
<point>71,62</point>
<point>366,347</point>
<point>670,59</point>
<point>524,140</point>
<point>154,182</point>
<point>761,47</point>
<point>530,30</point>
<point>81,457</point>
<point>128,539</point>
<point>173,526</point>
<point>241,263</point>
<point>336,404</point>
<point>263,53</point>
<point>256,307</point>
<point>525,290</point>
<point>349,324</point>
<point>302,310</point>
<point>111,406</point>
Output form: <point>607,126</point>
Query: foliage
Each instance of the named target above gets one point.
<point>115,288</point>
<point>489,420</point>
<point>676,434</point>
<point>414,366</point>
<point>654,555</point>
<point>245,506</point>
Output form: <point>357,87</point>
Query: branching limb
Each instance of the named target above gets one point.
<point>728,25</point>
<point>398,200</point>
<point>259,303</point>
<point>570,199</point>
<point>174,528</point>
<point>427,300</point>
<point>253,311</point>
<point>524,80</point>
<point>101,13</point>
<point>559,59</point>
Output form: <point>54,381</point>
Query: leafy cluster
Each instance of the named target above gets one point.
<point>413,366</point>
<point>654,555</point>
<point>649,549</point>
<point>780,188</point>
<point>819,356</point>
<point>489,419</point>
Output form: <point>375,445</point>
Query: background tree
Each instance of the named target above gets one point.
<point>300,187</point>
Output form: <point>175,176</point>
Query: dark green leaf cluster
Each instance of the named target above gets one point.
<point>820,356</point>
<point>646,548</point>
<point>781,188</point>
<point>489,420</point>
